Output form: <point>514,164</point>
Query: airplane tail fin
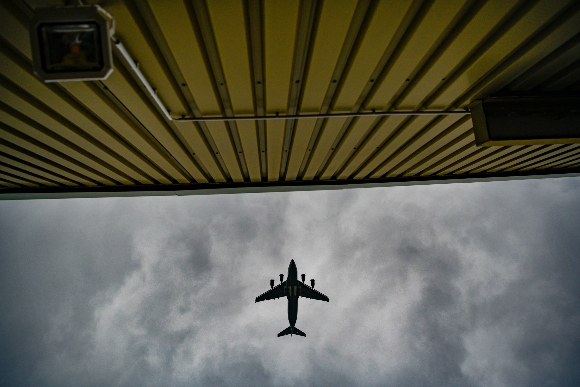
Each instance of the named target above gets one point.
<point>291,331</point>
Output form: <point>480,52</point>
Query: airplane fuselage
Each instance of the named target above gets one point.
<point>292,292</point>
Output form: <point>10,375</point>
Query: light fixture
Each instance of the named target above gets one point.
<point>526,120</point>
<point>72,43</point>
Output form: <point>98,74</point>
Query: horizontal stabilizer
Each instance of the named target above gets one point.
<point>291,331</point>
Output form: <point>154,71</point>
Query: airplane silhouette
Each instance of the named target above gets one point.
<point>292,289</point>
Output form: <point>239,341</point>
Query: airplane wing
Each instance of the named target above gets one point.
<point>275,292</point>
<point>308,292</point>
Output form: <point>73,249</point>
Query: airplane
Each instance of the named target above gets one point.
<point>292,289</point>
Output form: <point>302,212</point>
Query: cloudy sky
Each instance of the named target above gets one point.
<point>460,284</point>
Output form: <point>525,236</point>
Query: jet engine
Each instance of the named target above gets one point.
<point>312,283</point>
<point>271,283</point>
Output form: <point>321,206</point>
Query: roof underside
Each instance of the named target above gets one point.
<point>251,58</point>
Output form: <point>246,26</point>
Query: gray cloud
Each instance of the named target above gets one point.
<point>466,284</point>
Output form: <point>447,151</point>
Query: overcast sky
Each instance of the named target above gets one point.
<point>458,284</point>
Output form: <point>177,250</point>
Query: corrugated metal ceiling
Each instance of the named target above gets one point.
<point>252,58</point>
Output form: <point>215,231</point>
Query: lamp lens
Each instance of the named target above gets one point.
<point>73,47</point>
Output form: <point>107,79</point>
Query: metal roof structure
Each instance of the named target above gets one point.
<point>311,85</point>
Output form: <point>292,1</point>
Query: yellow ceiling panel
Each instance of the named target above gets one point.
<point>573,78</point>
<point>349,142</point>
<point>380,31</point>
<point>331,32</point>
<point>138,44</point>
<point>36,171</point>
<point>249,140</point>
<point>459,158</point>
<point>404,151</point>
<point>517,158</point>
<point>64,160</point>
<point>196,141</point>
<point>184,46</point>
<point>227,19</point>
<point>47,164</point>
<point>424,145</point>
<point>566,30</point>
<point>13,30</point>
<point>16,180</point>
<point>219,59</point>
<point>302,134</point>
<point>281,19</point>
<point>472,157</point>
<point>458,51</point>
<point>522,28</point>
<point>30,178</point>
<point>559,161</point>
<point>274,141</point>
<point>422,41</point>
<point>134,101</point>
<point>5,184</point>
<point>562,151</point>
<point>550,69</point>
<point>56,102</point>
<point>490,158</point>
<point>60,135</point>
<point>394,142</point>
<point>94,100</point>
<point>226,149</point>
<point>326,138</point>
<point>437,156</point>
<point>370,144</point>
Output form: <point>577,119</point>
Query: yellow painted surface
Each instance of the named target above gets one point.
<point>35,170</point>
<point>334,23</point>
<point>140,49</point>
<point>382,28</point>
<point>230,32</point>
<point>372,144</point>
<point>352,137</point>
<point>439,15</point>
<point>88,123</point>
<point>51,167</point>
<point>509,41</point>
<point>249,140</point>
<point>559,161</point>
<point>482,23</point>
<point>196,142</point>
<point>490,161</point>
<point>546,158</point>
<point>48,125</point>
<point>16,180</point>
<point>135,101</point>
<point>184,46</point>
<point>101,106</point>
<point>274,144</point>
<point>415,142</point>
<point>515,160</point>
<point>14,32</point>
<point>326,138</point>
<point>226,149</point>
<point>302,134</point>
<point>54,157</point>
<point>281,20</point>
<point>9,172</point>
<point>433,155</point>
<point>137,140</point>
<point>471,152</point>
<point>425,145</point>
